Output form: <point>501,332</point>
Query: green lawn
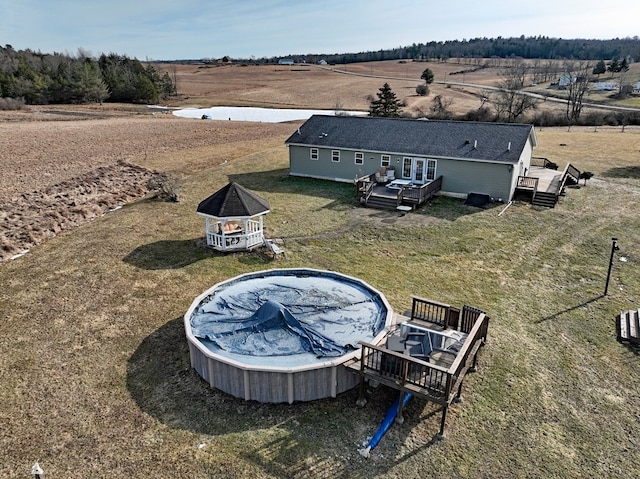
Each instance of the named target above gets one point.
<point>95,371</point>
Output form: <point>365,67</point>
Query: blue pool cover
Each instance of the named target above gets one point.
<point>289,312</point>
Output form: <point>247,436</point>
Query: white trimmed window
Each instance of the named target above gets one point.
<point>313,153</point>
<point>407,166</point>
<point>385,161</point>
<point>335,155</point>
<point>431,170</point>
<point>359,158</point>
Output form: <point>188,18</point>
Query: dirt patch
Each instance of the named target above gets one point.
<point>31,218</point>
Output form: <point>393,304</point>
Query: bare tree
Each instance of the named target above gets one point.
<point>174,77</point>
<point>580,76</point>
<point>440,106</point>
<point>509,101</point>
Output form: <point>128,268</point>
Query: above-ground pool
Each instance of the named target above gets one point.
<point>283,335</point>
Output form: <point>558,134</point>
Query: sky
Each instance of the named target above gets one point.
<point>196,29</point>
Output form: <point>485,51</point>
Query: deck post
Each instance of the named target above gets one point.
<point>362,399</point>
<point>458,398</point>
<point>474,365</point>
<point>441,434</point>
<point>399,416</point>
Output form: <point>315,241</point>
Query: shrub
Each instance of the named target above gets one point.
<point>11,103</point>
<point>481,114</point>
<point>422,90</point>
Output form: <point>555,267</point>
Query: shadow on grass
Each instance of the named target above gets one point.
<point>279,181</point>
<point>446,208</point>
<point>344,194</point>
<point>312,434</point>
<point>175,254</point>
<point>168,254</point>
<point>568,310</point>
<point>623,172</point>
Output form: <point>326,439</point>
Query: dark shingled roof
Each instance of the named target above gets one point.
<point>496,142</point>
<point>233,200</point>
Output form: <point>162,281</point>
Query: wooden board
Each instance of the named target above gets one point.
<point>623,331</point>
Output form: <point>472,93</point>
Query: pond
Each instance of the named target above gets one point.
<point>265,115</point>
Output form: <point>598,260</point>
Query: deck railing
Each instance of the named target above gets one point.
<point>528,182</point>
<point>411,374</point>
<point>468,318</point>
<point>364,187</point>
<point>418,195</point>
<point>539,161</point>
<point>442,315</point>
<point>572,171</point>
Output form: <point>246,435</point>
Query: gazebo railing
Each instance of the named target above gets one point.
<point>249,236</point>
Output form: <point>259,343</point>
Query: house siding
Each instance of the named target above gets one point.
<point>460,178</point>
<point>346,170</point>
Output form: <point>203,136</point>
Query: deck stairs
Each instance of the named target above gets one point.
<point>382,202</point>
<point>545,199</point>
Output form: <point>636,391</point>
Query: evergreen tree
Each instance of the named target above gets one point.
<point>624,65</point>
<point>613,66</point>
<point>427,76</point>
<point>600,68</point>
<point>387,104</point>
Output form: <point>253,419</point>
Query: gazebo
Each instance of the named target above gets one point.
<point>234,218</point>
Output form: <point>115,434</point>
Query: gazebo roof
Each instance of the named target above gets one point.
<point>233,200</point>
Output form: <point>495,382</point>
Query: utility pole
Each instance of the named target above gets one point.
<point>614,248</point>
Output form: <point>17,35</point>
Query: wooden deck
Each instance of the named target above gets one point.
<point>543,186</point>
<point>375,195</point>
<point>437,378</point>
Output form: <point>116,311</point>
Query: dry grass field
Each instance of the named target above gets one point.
<point>94,365</point>
<point>311,86</point>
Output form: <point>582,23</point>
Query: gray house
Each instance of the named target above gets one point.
<point>468,157</point>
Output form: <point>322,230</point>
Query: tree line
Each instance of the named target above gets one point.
<point>38,78</point>
<point>542,47</point>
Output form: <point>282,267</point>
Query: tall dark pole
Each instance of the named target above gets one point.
<point>614,248</point>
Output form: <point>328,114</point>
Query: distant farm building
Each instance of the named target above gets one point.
<point>565,80</point>
<point>285,61</point>
<point>605,86</point>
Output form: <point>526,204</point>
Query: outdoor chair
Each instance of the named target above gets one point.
<point>391,174</point>
<point>381,176</point>
<point>442,357</point>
